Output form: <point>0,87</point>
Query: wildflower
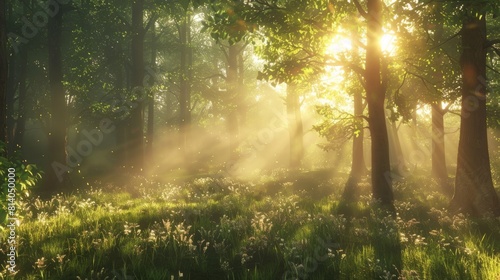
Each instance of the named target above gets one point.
<point>40,263</point>
<point>60,258</point>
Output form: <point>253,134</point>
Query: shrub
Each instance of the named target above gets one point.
<point>23,178</point>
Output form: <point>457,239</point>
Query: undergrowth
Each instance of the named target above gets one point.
<point>279,227</point>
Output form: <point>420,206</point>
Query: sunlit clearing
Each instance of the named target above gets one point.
<point>388,44</point>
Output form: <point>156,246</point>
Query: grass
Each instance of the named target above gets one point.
<point>278,227</point>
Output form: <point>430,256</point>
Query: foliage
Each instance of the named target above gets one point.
<point>26,176</point>
<point>337,127</point>
<point>219,228</point>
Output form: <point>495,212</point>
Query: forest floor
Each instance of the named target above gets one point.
<point>279,226</point>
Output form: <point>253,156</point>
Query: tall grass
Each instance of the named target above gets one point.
<point>280,227</point>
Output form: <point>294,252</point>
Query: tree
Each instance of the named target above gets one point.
<point>3,75</point>
<point>375,97</point>
<point>135,123</point>
<point>295,126</point>
<point>234,87</point>
<point>151,99</point>
<point>431,66</point>
<point>474,191</point>
<point>186,75</point>
<point>57,137</point>
<point>292,56</point>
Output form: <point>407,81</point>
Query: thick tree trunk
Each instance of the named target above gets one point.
<point>185,88</point>
<point>55,174</point>
<point>474,191</point>
<point>136,119</point>
<point>381,183</point>
<point>3,75</point>
<point>295,127</point>
<point>439,171</point>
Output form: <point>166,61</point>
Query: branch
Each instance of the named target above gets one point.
<point>361,81</point>
<point>446,109</point>
<point>490,43</point>
<point>150,22</point>
<point>360,9</point>
<point>497,51</point>
<point>446,41</point>
<point>349,65</point>
<point>221,46</point>
<point>358,43</point>
<point>455,113</point>
<point>214,76</point>
<point>493,69</point>
<point>403,82</point>
<point>124,21</point>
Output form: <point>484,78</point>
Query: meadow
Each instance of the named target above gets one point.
<point>281,226</point>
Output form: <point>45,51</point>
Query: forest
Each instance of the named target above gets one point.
<point>249,139</point>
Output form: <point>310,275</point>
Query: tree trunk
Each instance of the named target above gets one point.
<point>11,88</point>
<point>358,166</point>
<point>3,76</point>
<point>136,119</point>
<point>395,149</point>
<point>121,126</point>
<point>241,101</point>
<point>185,88</point>
<point>439,171</point>
<point>232,97</point>
<point>474,191</point>
<point>381,183</point>
<point>23,88</point>
<point>55,174</point>
<point>295,127</point>
<point>151,99</point>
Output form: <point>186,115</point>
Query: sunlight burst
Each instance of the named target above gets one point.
<point>388,44</point>
<point>338,44</point>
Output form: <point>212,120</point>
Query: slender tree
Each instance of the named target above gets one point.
<point>151,98</point>
<point>135,127</point>
<point>23,89</point>
<point>186,74</point>
<point>3,75</point>
<point>232,77</point>
<point>295,126</point>
<point>57,137</point>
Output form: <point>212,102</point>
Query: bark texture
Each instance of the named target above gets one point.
<point>381,183</point>
<point>474,191</point>
<point>136,118</point>
<point>439,171</point>
<point>3,75</point>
